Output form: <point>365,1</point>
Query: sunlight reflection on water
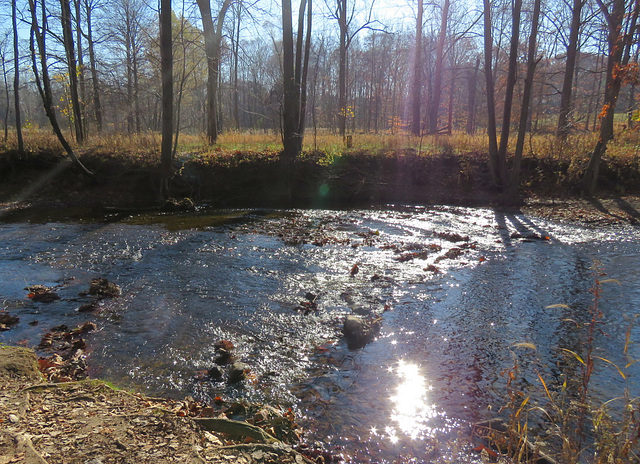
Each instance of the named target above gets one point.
<point>412,410</point>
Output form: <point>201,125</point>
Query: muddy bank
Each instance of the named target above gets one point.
<point>92,422</point>
<point>316,180</point>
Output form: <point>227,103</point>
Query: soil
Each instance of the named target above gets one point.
<point>91,422</point>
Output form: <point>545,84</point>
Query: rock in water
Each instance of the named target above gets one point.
<point>238,372</point>
<point>358,331</point>
<point>103,288</point>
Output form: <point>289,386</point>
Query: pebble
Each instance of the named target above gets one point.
<point>13,419</point>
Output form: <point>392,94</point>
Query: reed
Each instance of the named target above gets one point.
<point>568,416</point>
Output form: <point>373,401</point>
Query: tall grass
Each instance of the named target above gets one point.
<point>575,425</point>
<point>576,148</point>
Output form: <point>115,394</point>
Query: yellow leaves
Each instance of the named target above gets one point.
<point>347,112</point>
<point>559,305</point>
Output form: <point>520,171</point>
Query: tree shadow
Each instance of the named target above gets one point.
<point>624,205</point>
<point>526,229</point>
<point>633,216</point>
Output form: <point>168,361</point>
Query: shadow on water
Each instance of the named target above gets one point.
<point>456,288</point>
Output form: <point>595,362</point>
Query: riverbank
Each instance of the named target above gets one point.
<point>362,178</point>
<point>92,422</point>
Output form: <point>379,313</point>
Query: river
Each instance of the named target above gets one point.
<point>462,293</point>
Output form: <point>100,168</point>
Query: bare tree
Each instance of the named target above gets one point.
<point>89,6</point>
<point>526,101</point>
<point>295,64</point>
<point>564,123</point>
<point>16,79</point>
<point>166,66</point>
<point>508,98</point>
<point>621,28</point>
<point>4,60</point>
<point>416,92</point>
<point>67,35</point>
<point>439,70</point>
<point>491,98</point>
<point>80,69</point>
<point>213,44</point>
<point>345,16</point>
<point>43,82</point>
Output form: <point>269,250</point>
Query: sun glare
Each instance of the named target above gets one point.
<point>411,407</point>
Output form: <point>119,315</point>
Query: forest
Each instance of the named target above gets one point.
<point>504,80</point>
<point>359,231</point>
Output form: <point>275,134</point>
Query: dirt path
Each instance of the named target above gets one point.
<point>90,422</point>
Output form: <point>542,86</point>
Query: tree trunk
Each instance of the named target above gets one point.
<point>491,105</point>
<point>97,106</point>
<point>290,105</point>
<point>295,70</point>
<point>471,117</point>
<point>166,66</point>
<point>44,85</point>
<point>236,59</point>
<point>437,80</point>
<point>8,98</point>
<point>16,79</point>
<point>619,53</point>
<point>212,44</point>
<point>67,35</point>
<point>564,122</point>
<point>454,73</point>
<point>508,99</point>
<point>341,14</point>
<point>305,70</point>
<point>416,93</point>
<point>526,102</point>
<point>81,80</point>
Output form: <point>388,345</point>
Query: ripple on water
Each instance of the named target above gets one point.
<point>449,318</point>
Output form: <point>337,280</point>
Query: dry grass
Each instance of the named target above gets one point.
<point>626,145</point>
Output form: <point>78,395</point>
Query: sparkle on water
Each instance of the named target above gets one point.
<point>412,408</point>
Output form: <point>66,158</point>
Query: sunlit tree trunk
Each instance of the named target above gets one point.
<point>213,43</point>
<point>439,70</point>
<point>341,15</point>
<point>416,93</point>
<point>471,104</point>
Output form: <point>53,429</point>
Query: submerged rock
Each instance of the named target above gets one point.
<point>358,330</point>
